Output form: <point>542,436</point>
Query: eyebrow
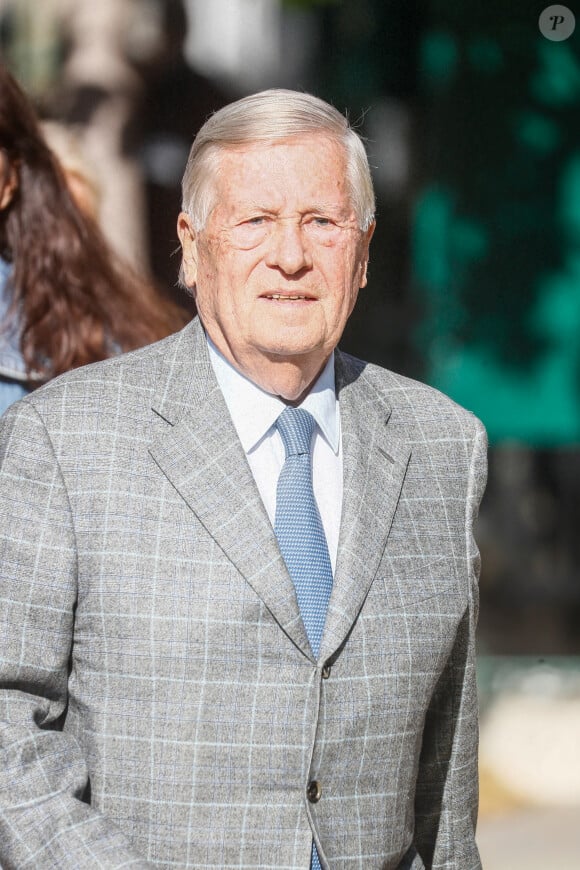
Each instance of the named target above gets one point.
<point>315,208</point>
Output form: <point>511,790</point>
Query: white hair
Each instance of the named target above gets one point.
<point>266,116</point>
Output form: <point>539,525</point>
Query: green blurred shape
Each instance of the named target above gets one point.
<point>433,213</point>
<point>557,81</point>
<point>496,230</point>
<point>445,244</point>
<point>568,213</point>
<point>537,132</point>
<point>469,240</point>
<point>439,59</point>
<point>539,407</point>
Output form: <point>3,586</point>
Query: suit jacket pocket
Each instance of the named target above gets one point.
<point>409,582</point>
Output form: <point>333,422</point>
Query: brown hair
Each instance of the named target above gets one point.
<point>75,300</point>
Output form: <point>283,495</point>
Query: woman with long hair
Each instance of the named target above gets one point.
<point>65,298</point>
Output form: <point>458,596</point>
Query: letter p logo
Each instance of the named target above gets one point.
<point>557,23</point>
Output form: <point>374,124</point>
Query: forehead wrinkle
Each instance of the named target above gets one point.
<point>262,185</point>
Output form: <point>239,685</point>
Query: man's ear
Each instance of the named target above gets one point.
<point>9,186</point>
<point>367,236</point>
<point>188,239</point>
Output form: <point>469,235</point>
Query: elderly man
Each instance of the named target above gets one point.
<point>238,574</point>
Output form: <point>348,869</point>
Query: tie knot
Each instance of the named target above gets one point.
<point>295,426</point>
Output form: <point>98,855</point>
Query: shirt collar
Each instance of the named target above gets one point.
<point>254,411</point>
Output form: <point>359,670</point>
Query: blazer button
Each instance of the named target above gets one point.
<point>314,791</point>
<point>325,672</point>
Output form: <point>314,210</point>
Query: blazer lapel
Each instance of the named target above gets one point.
<point>200,453</point>
<point>374,464</point>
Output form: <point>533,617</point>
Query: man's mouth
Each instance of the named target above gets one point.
<point>287,297</point>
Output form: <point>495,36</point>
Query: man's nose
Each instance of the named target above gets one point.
<point>288,249</point>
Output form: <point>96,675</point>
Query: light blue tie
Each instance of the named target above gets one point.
<point>298,527</point>
<point>300,532</point>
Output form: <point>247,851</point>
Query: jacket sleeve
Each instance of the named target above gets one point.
<point>45,816</point>
<point>446,797</point>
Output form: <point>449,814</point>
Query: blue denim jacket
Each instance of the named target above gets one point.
<point>13,381</point>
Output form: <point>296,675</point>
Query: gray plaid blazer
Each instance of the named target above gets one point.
<point>160,704</point>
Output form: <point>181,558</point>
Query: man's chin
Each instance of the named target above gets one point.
<point>298,355</point>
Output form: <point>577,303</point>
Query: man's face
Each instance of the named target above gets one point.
<point>278,266</point>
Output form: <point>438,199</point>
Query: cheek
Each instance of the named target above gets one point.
<point>211,276</point>
<point>347,278</point>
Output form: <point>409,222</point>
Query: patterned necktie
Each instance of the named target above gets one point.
<point>298,527</point>
<point>300,532</point>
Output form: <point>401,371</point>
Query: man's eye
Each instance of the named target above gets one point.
<point>322,221</point>
<point>250,232</point>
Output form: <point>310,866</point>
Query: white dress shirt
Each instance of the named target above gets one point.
<point>254,413</point>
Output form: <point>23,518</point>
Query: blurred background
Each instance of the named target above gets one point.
<point>472,123</point>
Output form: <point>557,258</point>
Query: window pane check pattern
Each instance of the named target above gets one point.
<point>300,532</point>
